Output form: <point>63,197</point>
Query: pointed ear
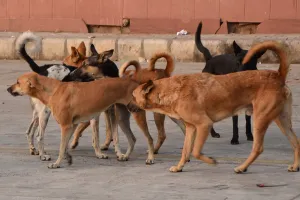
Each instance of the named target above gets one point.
<point>259,54</point>
<point>148,86</point>
<point>93,50</point>
<point>237,49</point>
<point>82,49</point>
<point>33,83</point>
<point>74,55</point>
<point>104,56</point>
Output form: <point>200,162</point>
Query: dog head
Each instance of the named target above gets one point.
<point>140,94</point>
<point>241,53</point>
<point>27,84</point>
<point>77,56</point>
<point>95,66</point>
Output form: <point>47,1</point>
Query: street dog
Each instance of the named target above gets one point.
<point>75,102</point>
<point>61,72</point>
<point>203,99</point>
<point>224,64</point>
<point>142,76</point>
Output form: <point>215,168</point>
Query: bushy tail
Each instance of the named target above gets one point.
<point>278,49</point>
<point>123,68</point>
<point>22,40</point>
<point>170,62</point>
<point>199,44</point>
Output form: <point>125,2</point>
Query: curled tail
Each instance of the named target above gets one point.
<point>278,49</point>
<point>170,62</point>
<point>134,63</point>
<point>22,40</point>
<point>199,44</point>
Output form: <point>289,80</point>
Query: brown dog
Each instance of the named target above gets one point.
<point>68,103</point>
<point>142,76</point>
<point>203,99</point>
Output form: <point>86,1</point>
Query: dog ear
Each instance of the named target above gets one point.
<point>148,86</point>
<point>259,54</point>
<point>33,83</point>
<point>237,49</point>
<point>93,50</point>
<point>74,55</point>
<point>104,56</point>
<point>82,49</point>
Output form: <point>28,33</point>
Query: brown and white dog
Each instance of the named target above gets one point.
<point>68,103</point>
<point>142,76</point>
<point>202,99</point>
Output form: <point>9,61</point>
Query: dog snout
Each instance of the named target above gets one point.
<point>10,90</point>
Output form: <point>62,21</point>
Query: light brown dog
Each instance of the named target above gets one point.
<point>68,103</point>
<point>203,99</point>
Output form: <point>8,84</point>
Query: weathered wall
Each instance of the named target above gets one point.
<point>72,15</point>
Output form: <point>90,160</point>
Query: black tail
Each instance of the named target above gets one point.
<point>20,47</point>
<point>199,44</point>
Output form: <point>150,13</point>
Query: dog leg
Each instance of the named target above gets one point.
<point>214,134</point>
<point>187,148</point>
<point>43,121</point>
<point>124,123</point>
<point>140,118</point>
<point>159,122</point>
<point>78,133</point>
<point>66,133</point>
<point>284,122</point>
<point>248,128</point>
<point>179,123</point>
<point>96,140</point>
<point>235,136</point>
<point>259,129</point>
<point>201,137</point>
<point>30,133</point>
<point>109,113</point>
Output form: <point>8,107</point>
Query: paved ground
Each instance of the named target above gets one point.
<point>24,177</point>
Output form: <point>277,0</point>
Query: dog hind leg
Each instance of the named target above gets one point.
<point>109,113</point>
<point>78,133</point>
<point>235,136</point>
<point>214,134</point>
<point>248,128</point>
<point>96,140</point>
<point>159,120</point>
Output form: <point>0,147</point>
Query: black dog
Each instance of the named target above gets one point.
<point>225,64</point>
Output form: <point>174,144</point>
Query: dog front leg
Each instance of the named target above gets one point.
<point>96,140</point>
<point>214,134</point>
<point>43,121</point>
<point>187,148</point>
<point>66,133</point>
<point>179,123</point>
<point>30,133</point>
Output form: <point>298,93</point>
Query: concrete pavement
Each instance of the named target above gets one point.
<point>25,177</point>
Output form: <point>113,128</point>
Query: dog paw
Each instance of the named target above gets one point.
<point>74,145</point>
<point>234,142</point>
<point>154,152</point>
<point>237,170</point>
<point>213,161</point>
<point>216,135</point>
<point>104,147</point>
<point>102,156</point>
<point>45,157</point>
<point>33,151</point>
<point>69,159</point>
<point>291,168</point>
<point>149,161</point>
<point>175,169</point>
<point>53,166</point>
<point>122,157</point>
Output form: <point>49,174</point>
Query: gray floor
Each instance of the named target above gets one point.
<point>25,177</point>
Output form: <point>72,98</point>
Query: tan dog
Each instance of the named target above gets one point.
<point>203,99</point>
<point>68,103</point>
<point>142,76</point>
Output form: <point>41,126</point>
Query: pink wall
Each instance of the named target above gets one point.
<point>20,15</point>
